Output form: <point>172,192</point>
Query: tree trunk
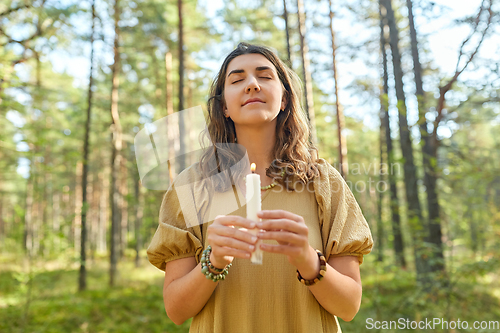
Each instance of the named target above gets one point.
<point>189,88</point>
<point>154,61</point>
<point>139,195</point>
<point>169,103</point>
<point>56,220</point>
<point>36,216</point>
<point>31,207</point>
<point>90,213</point>
<point>382,115</point>
<point>2,218</point>
<point>470,214</point>
<point>380,199</point>
<point>398,244</point>
<point>410,175</point>
<point>380,227</point>
<point>82,279</point>
<point>115,214</point>
<point>124,206</point>
<point>3,221</point>
<point>67,211</point>
<point>170,110</point>
<point>48,212</point>
<point>47,204</point>
<point>101,246</point>
<point>16,219</point>
<point>94,225</point>
<point>308,91</point>
<point>344,165</point>
<point>287,31</point>
<point>28,215</point>
<point>434,223</point>
<point>430,149</point>
<point>182,134</point>
<point>115,156</point>
<point>39,204</point>
<point>77,221</point>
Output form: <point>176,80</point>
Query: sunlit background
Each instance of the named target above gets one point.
<point>50,51</point>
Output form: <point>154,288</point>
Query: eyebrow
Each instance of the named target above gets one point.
<point>258,69</point>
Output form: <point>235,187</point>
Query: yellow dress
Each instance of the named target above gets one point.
<point>268,297</point>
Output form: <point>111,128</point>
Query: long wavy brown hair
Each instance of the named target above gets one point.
<point>294,154</point>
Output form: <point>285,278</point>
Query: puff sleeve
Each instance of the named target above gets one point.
<point>172,239</point>
<point>344,229</point>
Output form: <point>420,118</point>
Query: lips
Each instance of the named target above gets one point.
<point>251,100</point>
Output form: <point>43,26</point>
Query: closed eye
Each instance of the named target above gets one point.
<point>263,77</point>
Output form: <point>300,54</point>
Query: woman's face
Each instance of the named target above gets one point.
<point>248,77</point>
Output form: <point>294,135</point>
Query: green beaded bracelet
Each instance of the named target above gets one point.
<point>206,267</point>
<point>322,271</point>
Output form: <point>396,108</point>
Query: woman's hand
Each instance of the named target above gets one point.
<point>228,242</point>
<point>291,233</point>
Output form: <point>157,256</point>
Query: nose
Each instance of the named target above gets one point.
<point>253,84</point>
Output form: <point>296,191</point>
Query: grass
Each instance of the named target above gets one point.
<point>135,304</point>
<point>46,300</point>
<point>390,293</point>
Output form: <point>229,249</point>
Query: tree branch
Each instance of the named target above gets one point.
<point>11,10</point>
<point>22,42</point>
<point>466,40</point>
<point>469,101</point>
<point>445,88</point>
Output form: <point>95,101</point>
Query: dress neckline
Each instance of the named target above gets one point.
<point>242,195</point>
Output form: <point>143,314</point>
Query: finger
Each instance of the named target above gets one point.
<point>279,214</point>
<point>283,249</point>
<point>286,237</point>
<point>239,234</point>
<point>230,243</point>
<point>223,252</point>
<point>283,224</point>
<point>232,220</point>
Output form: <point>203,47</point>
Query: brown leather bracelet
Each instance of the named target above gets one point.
<point>322,271</point>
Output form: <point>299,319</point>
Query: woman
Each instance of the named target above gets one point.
<point>312,229</point>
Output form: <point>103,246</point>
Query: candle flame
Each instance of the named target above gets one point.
<point>253,167</point>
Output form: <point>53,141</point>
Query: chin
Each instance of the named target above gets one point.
<point>256,117</point>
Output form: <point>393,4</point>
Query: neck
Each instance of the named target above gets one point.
<point>259,143</point>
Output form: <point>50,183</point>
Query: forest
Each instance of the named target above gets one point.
<point>402,97</point>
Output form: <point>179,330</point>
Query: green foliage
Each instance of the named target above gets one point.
<point>42,116</point>
<point>390,293</point>
<point>134,305</point>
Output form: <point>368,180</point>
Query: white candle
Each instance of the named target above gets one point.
<point>253,206</point>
